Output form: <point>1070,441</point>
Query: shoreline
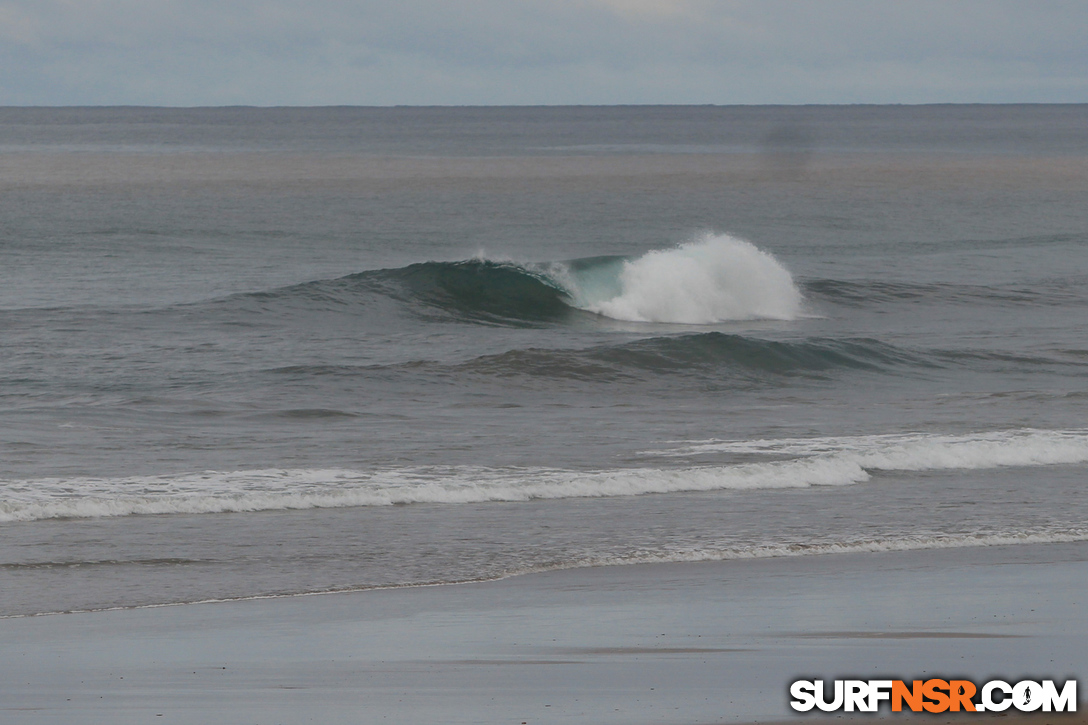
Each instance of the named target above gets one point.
<point>705,642</point>
<point>904,544</point>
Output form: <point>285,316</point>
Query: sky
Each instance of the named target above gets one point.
<point>528,52</point>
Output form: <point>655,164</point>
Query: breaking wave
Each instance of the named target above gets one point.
<point>796,463</point>
<point>716,278</point>
<point>713,279</point>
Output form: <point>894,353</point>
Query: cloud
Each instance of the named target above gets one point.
<point>291,52</point>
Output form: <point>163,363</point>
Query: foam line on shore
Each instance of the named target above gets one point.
<point>814,462</point>
<point>679,556</point>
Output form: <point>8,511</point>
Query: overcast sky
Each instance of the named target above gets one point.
<point>423,52</point>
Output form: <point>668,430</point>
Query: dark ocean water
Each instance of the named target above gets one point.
<point>264,351</point>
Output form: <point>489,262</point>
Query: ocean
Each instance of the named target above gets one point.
<point>258,352</point>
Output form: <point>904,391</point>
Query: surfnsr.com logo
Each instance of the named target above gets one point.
<point>934,696</point>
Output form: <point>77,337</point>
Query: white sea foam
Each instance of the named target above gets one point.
<point>913,451</point>
<point>713,279</point>
<point>903,543</point>
<point>811,462</point>
<point>237,491</point>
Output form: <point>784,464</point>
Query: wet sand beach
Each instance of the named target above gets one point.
<point>669,643</point>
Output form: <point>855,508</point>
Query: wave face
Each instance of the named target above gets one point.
<point>796,463</point>
<point>478,289</point>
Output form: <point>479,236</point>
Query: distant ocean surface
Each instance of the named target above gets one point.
<point>252,352</point>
